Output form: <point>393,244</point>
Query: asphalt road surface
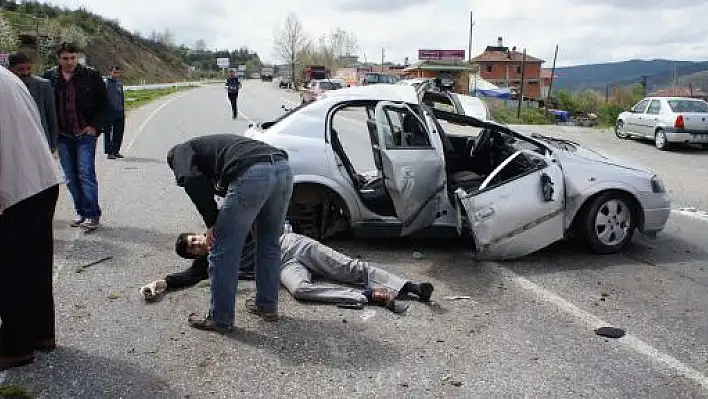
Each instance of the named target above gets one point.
<point>515,329</point>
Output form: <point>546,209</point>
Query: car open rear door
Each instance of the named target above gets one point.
<point>519,216</point>
<point>414,175</point>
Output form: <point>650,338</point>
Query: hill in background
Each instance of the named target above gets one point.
<point>660,74</point>
<point>36,26</point>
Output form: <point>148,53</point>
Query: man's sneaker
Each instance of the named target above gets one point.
<point>90,224</point>
<point>266,315</point>
<point>78,221</point>
<point>111,156</point>
<point>118,155</point>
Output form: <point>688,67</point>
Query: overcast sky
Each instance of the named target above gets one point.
<point>587,31</point>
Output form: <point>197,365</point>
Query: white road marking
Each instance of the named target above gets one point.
<point>149,118</point>
<point>692,213</point>
<point>629,341</point>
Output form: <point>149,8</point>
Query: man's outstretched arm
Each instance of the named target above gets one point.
<point>197,272</point>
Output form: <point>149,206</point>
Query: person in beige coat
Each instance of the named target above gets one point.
<point>29,189</point>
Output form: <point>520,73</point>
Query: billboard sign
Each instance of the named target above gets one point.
<point>242,68</point>
<point>222,62</point>
<point>441,55</point>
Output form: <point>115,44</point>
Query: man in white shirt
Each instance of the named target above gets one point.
<point>29,189</point>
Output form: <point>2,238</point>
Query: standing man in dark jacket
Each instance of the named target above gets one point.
<point>42,93</point>
<point>232,88</point>
<point>81,102</point>
<point>115,117</point>
<point>256,181</point>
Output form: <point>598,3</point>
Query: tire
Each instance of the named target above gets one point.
<point>608,223</point>
<point>620,132</point>
<point>660,140</point>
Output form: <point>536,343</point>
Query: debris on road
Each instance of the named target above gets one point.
<point>80,269</point>
<point>610,332</point>
<point>114,296</point>
<point>457,297</point>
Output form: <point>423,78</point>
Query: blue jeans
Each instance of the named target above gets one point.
<point>261,197</point>
<point>78,159</point>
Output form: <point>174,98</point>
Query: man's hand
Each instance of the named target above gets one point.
<point>210,237</point>
<point>90,130</point>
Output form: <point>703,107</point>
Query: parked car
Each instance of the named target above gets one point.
<point>510,193</point>
<point>372,78</point>
<point>316,88</point>
<point>667,121</point>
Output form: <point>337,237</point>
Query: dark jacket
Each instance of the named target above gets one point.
<point>116,96</point>
<point>206,165</point>
<point>232,84</point>
<point>43,94</point>
<point>91,98</point>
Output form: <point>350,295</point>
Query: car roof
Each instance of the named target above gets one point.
<point>379,92</point>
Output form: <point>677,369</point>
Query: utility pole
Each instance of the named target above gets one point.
<point>37,47</point>
<point>469,46</point>
<point>607,92</point>
<point>553,74</point>
<point>521,87</point>
<point>383,54</point>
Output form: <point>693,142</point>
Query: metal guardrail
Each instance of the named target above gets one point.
<point>168,85</point>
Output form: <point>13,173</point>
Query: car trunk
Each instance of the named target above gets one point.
<point>695,122</point>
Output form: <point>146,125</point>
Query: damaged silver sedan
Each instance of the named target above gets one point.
<point>376,160</point>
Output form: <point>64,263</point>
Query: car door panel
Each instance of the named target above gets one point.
<point>634,120</point>
<point>517,217</point>
<point>414,177</point>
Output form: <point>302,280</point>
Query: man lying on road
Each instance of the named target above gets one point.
<point>302,258</point>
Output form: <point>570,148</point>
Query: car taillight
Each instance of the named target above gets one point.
<point>679,122</point>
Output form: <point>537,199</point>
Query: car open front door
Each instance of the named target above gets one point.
<point>414,172</point>
<point>518,216</point>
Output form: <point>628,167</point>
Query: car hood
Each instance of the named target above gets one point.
<point>585,154</point>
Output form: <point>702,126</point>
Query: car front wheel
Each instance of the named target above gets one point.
<point>620,132</point>
<point>609,223</point>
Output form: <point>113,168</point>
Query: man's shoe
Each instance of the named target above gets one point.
<point>206,323</point>
<point>265,314</point>
<point>118,155</point>
<point>46,345</point>
<point>8,362</point>
<point>90,224</point>
<point>111,156</point>
<point>77,221</point>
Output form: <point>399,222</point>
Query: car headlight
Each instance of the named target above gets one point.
<point>657,185</point>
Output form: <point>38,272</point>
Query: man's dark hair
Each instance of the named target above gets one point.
<point>115,68</point>
<point>17,58</point>
<point>182,246</point>
<point>66,47</point>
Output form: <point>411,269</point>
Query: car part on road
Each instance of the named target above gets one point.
<point>610,332</point>
<point>608,224</point>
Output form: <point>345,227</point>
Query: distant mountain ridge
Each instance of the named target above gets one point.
<point>660,73</point>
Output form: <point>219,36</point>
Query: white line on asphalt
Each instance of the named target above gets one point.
<point>692,213</point>
<point>592,321</point>
<point>149,118</point>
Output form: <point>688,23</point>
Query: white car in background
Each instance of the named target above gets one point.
<point>511,194</point>
<point>667,121</point>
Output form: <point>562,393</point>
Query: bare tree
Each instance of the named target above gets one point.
<point>341,43</point>
<point>200,45</point>
<point>290,42</point>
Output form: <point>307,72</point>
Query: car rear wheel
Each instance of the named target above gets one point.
<point>609,223</point>
<point>660,140</point>
<point>620,132</point>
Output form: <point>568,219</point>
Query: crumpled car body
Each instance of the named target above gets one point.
<point>437,172</point>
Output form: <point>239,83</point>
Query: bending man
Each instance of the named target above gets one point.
<point>302,259</point>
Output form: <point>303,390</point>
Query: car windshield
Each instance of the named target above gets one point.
<point>689,106</point>
<point>330,85</point>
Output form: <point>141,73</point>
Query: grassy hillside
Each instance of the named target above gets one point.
<point>660,74</point>
<point>105,42</point>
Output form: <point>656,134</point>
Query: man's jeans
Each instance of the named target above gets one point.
<point>113,132</point>
<point>261,196</point>
<point>78,159</point>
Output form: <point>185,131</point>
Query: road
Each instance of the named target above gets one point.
<point>521,328</point>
